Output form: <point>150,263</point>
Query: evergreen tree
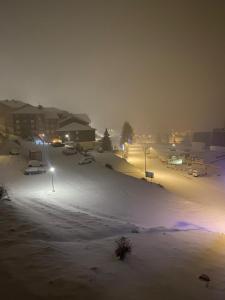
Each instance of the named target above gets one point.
<point>127,133</point>
<point>106,142</point>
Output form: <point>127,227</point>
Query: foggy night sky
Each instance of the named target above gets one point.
<point>158,64</point>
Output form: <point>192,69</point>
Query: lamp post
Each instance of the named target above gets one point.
<point>52,170</point>
<point>150,149</point>
<point>67,136</point>
<point>145,151</point>
<point>43,143</point>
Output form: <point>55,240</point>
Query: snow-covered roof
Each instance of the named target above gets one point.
<point>73,117</point>
<point>82,117</point>
<point>57,110</point>
<point>74,127</point>
<point>13,104</point>
<point>29,110</point>
<point>50,114</point>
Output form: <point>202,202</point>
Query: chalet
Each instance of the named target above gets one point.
<point>77,132</point>
<point>25,120</point>
<point>74,118</point>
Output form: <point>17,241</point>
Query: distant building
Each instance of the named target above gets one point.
<point>7,107</point>
<point>77,132</point>
<point>28,121</point>
<point>202,137</point>
<point>25,120</point>
<point>218,139</point>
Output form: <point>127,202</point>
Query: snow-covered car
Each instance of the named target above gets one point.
<point>70,145</point>
<point>85,153</point>
<point>86,160</point>
<point>57,144</point>
<point>69,151</point>
<point>197,173</point>
<point>14,151</point>
<point>35,163</point>
<point>34,170</point>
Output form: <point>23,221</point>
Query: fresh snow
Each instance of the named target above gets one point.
<point>60,245</point>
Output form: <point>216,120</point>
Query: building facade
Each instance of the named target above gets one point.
<point>25,120</point>
<point>7,107</point>
<point>77,132</point>
<point>218,139</point>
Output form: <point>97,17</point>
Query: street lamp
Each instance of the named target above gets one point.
<point>42,137</point>
<point>52,170</point>
<point>146,146</point>
<point>67,136</point>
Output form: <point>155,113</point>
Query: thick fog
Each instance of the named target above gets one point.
<point>158,64</point>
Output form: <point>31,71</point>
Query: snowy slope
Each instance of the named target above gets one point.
<point>61,245</point>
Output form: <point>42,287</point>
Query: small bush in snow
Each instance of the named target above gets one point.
<point>205,278</point>
<point>135,230</point>
<point>109,166</point>
<point>2,192</point>
<point>123,247</point>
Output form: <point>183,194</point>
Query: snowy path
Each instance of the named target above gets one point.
<point>206,193</point>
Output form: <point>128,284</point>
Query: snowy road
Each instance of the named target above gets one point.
<point>206,193</point>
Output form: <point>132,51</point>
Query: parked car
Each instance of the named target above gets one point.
<point>197,172</point>
<point>57,144</point>
<point>86,160</point>
<point>84,153</point>
<point>69,151</point>
<point>34,170</point>
<point>35,163</point>
<point>70,145</point>
<point>14,151</point>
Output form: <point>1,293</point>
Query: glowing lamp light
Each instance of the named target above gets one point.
<point>67,136</point>
<point>52,170</point>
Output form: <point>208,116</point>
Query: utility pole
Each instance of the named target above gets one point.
<point>52,170</point>
<point>145,158</point>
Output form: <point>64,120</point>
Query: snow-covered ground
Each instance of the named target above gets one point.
<point>60,245</point>
<point>205,195</point>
